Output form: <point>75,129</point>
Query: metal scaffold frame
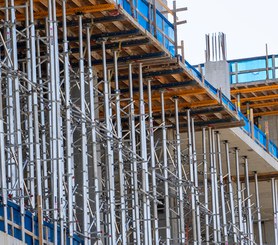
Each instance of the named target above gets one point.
<point>90,164</point>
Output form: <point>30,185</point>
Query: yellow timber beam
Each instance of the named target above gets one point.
<point>266,113</point>
<point>72,11</point>
<point>258,98</point>
<point>187,105</point>
<point>261,105</point>
<point>254,89</point>
<point>169,93</point>
<point>261,177</point>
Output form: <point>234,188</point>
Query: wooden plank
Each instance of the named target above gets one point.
<point>164,5</point>
<point>258,98</point>
<point>266,113</point>
<point>254,89</point>
<point>73,11</point>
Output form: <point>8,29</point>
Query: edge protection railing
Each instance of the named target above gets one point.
<point>253,69</point>
<point>30,225</point>
<point>161,29</point>
<point>259,136</point>
<point>142,11</point>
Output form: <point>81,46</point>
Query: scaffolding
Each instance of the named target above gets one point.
<point>104,164</point>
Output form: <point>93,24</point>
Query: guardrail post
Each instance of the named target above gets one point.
<point>266,129</point>
<point>176,23</point>
<point>252,123</point>
<point>238,102</point>
<point>154,18</point>
<point>266,62</point>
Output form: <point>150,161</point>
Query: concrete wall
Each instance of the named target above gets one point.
<point>9,240</point>
<point>268,232</point>
<point>217,73</point>
<point>272,127</point>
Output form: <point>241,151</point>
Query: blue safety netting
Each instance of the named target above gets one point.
<point>259,135</point>
<point>31,226</point>
<point>245,70</point>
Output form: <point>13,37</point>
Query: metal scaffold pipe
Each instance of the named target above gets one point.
<point>120,153</point>
<point>17,131</point>
<point>248,202</point>
<point>222,191</point>
<point>274,205</point>
<point>231,193</point>
<point>95,176</point>
<point>134,180</point>
<point>216,197</point>
<point>239,198</point>
<point>69,139</point>
<point>165,170</point>
<point>153,167</point>
<point>180,176</point>
<point>258,209</point>
<point>196,184</point>
<point>205,169</point>
<point>213,194</point>
<point>2,157</point>
<point>192,188</point>
<point>84,149</point>
<point>109,153</point>
<point>144,159</point>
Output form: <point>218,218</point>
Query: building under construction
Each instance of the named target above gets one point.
<point>109,136</point>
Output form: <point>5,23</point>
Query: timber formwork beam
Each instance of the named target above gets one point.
<point>261,176</point>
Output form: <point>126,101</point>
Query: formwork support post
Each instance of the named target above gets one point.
<point>274,204</point>
<point>205,170</point>
<point>153,166</point>
<point>180,177</point>
<point>239,198</point>
<point>84,148</point>
<point>222,191</point>
<point>69,139</point>
<point>231,192</point>
<point>192,189</point>
<point>94,136</point>
<point>120,151</point>
<point>196,184</point>
<point>248,200</point>
<point>213,193</point>
<point>109,152</point>
<point>134,181</point>
<point>258,209</point>
<point>165,170</point>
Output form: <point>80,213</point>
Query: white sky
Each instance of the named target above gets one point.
<point>248,25</point>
